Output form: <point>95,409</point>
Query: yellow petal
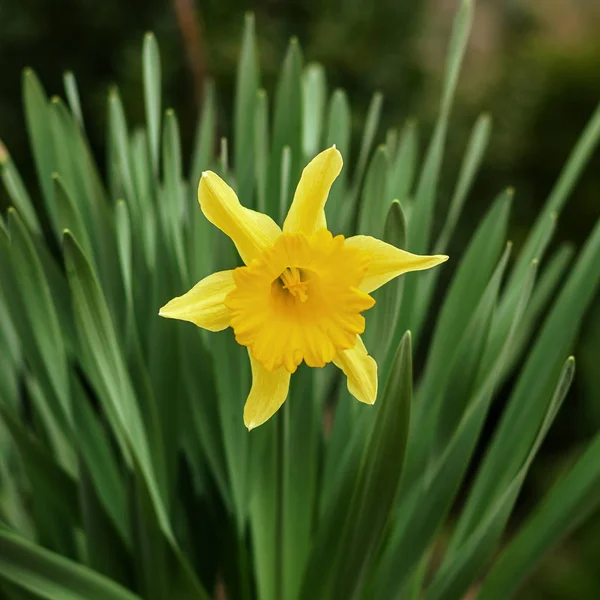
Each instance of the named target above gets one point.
<point>388,262</point>
<point>204,304</point>
<point>251,231</point>
<point>269,391</point>
<point>360,370</point>
<point>307,213</point>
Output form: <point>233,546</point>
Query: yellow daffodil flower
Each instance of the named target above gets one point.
<point>302,290</point>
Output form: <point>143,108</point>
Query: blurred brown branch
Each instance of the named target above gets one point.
<point>192,32</point>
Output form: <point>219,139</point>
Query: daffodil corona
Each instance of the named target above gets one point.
<point>302,291</point>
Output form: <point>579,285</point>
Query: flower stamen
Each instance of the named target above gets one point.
<point>292,282</point>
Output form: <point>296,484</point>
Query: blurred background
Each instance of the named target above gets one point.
<point>533,65</point>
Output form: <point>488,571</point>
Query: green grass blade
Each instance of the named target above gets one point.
<point>104,548</point>
<point>40,309</point>
<point>285,196</point>
<point>466,289</point>
<point>175,208</point>
<point>404,164</point>
<point>49,427</point>
<point>579,157</point>
<point>152,95</point>
<point>102,357</point>
<point>287,127</point>
<point>369,132</point>
<point>232,393</point>
<point>546,288</point>
<point>314,95</point>
<point>244,118</point>
<point>51,576</point>
<point>99,460</point>
<point>425,504</point>
<point>422,216</point>
<point>17,191</point>
<point>301,468</point>
<point>523,414</point>
<point>55,500</point>
<point>261,148</point>
<point>105,365</point>
<point>473,157</point>
<point>206,135</point>
<point>476,148</point>
<point>382,319</point>
<point>338,569</point>
<point>570,502</point>
<point>375,203</point>
<point>119,143</point>
<point>37,118</point>
<point>69,215</point>
<point>202,232</point>
<point>70,85</point>
<point>460,569</point>
<point>465,363</point>
<point>378,477</point>
<point>338,133</point>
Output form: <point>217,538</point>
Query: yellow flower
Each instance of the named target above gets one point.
<point>302,291</point>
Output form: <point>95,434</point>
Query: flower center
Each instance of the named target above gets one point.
<point>300,301</point>
<point>292,282</point>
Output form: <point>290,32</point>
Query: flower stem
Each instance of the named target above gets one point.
<point>281,453</point>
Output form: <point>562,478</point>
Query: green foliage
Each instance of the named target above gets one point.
<point>125,467</point>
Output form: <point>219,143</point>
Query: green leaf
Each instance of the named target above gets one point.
<point>204,146</point>
<point>461,568</point>
<point>425,197</point>
<point>425,502</point>
<point>375,203</point>
<point>37,118</point>
<point>173,200</point>
<point>285,197</point>
<point>314,95</point>
<point>524,412</point>
<point>546,288</point>
<point>245,107</point>
<point>570,502</point>
<point>104,548</point>
<point>338,133</point>
<point>421,217</point>
<point>473,157</point>
<point>100,463</point>
<point>55,499</point>
<point>17,191</point>
<point>152,95</point>
<point>70,85</point>
<point>232,393</point>
<point>466,362</point>
<point>380,333</point>
<point>261,148</point>
<point>301,469</point>
<point>338,569</point>
<point>368,137</point>
<point>578,158</point>
<point>404,164</point>
<point>119,147</point>
<point>103,361</point>
<point>287,127</point>
<point>466,289</point>
<point>51,576</point>
<point>41,313</point>
<point>69,216</point>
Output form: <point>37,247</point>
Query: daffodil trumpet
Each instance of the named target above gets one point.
<point>302,291</point>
